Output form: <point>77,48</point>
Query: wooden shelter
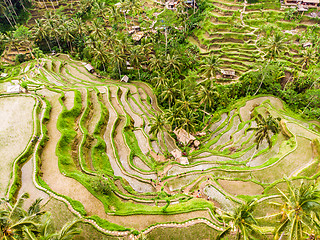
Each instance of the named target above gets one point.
<point>228,73</point>
<point>89,68</point>
<point>137,36</point>
<point>125,78</point>
<point>310,3</point>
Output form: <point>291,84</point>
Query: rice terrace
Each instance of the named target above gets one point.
<point>159,119</point>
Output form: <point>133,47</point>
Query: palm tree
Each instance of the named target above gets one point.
<point>207,96</point>
<point>68,231</point>
<point>39,32</point>
<point>52,26</point>
<point>97,29</point>
<point>300,211</point>
<point>186,103</point>
<point>309,57</point>
<point>265,126</point>
<point>67,29</point>
<point>117,58</point>
<point>241,221</point>
<point>15,221</point>
<point>210,67</point>
<point>157,124</point>
<point>275,45</point>
<point>155,63</point>
<point>99,54</point>
<point>136,58</point>
<point>169,93</point>
<point>173,63</point>
<point>113,12</point>
<point>3,9</point>
<point>160,80</point>
<point>187,120</point>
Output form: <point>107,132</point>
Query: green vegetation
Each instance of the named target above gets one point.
<point>211,69</point>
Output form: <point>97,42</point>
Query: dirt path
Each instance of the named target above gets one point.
<point>51,173</point>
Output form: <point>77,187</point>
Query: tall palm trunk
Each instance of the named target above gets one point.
<point>45,4</point>
<point>10,12</point>
<point>47,43</point>
<point>119,70</point>
<point>263,77</point>
<point>52,5</point>
<point>8,20</point>
<point>13,8</point>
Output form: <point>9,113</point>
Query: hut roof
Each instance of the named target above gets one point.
<point>176,153</point>
<point>183,136</point>
<point>311,1</point>
<point>89,67</point>
<point>137,36</point>
<point>228,72</point>
<point>125,78</point>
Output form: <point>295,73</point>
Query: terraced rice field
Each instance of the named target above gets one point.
<point>233,30</point>
<point>96,154</point>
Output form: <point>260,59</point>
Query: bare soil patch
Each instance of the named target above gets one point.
<point>240,188</point>
<point>16,129</point>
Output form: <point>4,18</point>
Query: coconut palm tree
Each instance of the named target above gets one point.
<point>99,54</point>
<point>3,9</point>
<point>67,30</point>
<point>157,124</point>
<point>207,96</point>
<point>97,29</point>
<point>117,59</point>
<point>210,67</point>
<point>169,93</point>
<point>52,26</point>
<point>155,63</point>
<point>160,80</point>
<point>300,209</point>
<point>241,221</point>
<point>275,45</point>
<point>265,126</point>
<point>136,58</point>
<point>187,120</point>
<point>186,103</point>
<point>15,221</point>
<point>309,57</point>
<point>39,32</point>
<point>173,63</point>
<point>68,231</point>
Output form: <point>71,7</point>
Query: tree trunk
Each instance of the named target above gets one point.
<point>263,77</point>
<point>10,12</point>
<point>55,36</point>
<point>47,43</point>
<point>119,71</point>
<point>8,20</point>
<point>308,104</point>
<point>13,8</point>
<point>52,5</point>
